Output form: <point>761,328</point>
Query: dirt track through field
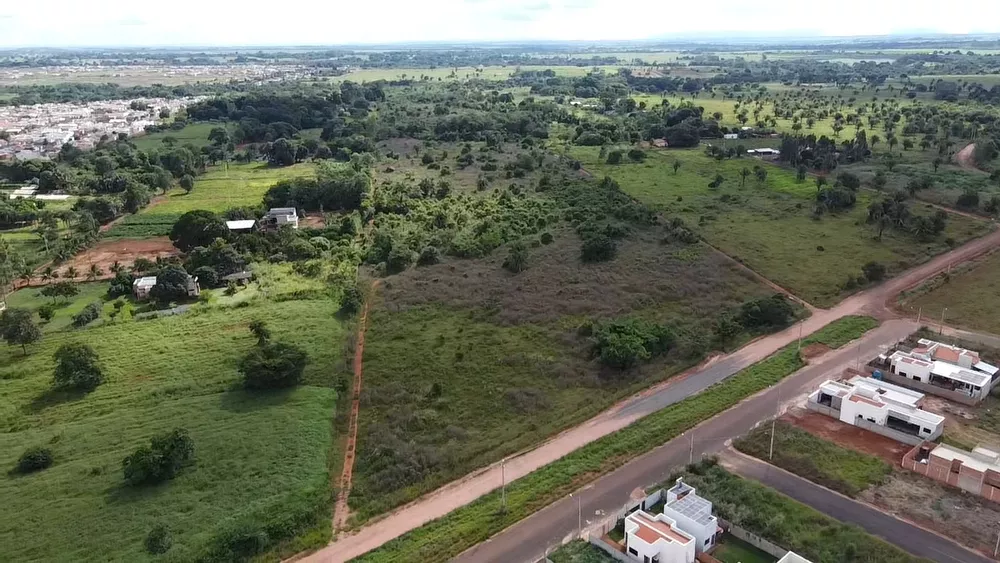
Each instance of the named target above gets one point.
<point>341,511</point>
<point>963,158</point>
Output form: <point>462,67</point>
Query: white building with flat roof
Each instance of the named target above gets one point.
<point>693,514</point>
<point>657,538</point>
<point>877,406</point>
<point>949,367</point>
<point>792,557</point>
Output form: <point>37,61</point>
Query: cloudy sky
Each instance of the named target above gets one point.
<point>329,22</point>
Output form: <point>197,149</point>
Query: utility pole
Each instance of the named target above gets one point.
<point>777,411</point>
<point>941,326</point>
<point>920,312</point>
<point>691,456</point>
<point>799,348</point>
<point>503,485</point>
<point>997,548</point>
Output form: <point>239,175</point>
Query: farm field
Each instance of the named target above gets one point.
<point>193,133</point>
<point>769,226</point>
<point>217,190</point>
<point>260,458</point>
<point>970,294</point>
<point>534,372</point>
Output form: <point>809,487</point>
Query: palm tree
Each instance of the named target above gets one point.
<point>117,268</point>
<point>72,273</point>
<point>49,274</point>
<point>25,273</point>
<point>94,272</point>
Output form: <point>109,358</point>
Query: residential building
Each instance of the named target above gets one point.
<point>657,539</point>
<point>878,406</point>
<point>278,217</point>
<point>693,515</point>
<point>976,472</point>
<point>943,366</point>
<point>765,153</point>
<point>241,225</point>
<point>143,286</point>
<point>730,136</point>
<point>792,557</point>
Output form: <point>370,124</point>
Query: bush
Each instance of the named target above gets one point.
<point>46,312</point>
<point>399,259</point>
<point>272,366</point>
<point>158,540</point>
<point>34,459</point>
<point>968,200</point>
<point>89,314</point>
<point>161,460</point>
<point>767,312</point>
<point>873,271</point>
<point>429,256</point>
<point>121,284</point>
<point>517,258</point>
<point>207,277</point>
<point>351,301</point>
<point>636,155</point>
<point>615,157</point>
<point>623,344</point>
<point>546,238</point>
<point>598,248</point>
<point>77,367</point>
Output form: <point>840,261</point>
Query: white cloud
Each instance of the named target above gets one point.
<point>326,22</point>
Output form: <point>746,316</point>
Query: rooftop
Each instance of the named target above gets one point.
<point>792,557</point>
<point>694,507</point>
<point>888,391</point>
<point>241,224</point>
<point>651,530</point>
<point>281,211</point>
<point>146,281</point>
<point>958,373</point>
<point>979,459</point>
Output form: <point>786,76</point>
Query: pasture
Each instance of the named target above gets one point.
<point>219,189</point>
<point>494,363</point>
<point>257,455</point>
<point>769,226</point>
<point>193,133</point>
<point>971,295</point>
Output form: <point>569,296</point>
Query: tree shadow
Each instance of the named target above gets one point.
<point>241,400</point>
<point>54,396</point>
<point>123,493</point>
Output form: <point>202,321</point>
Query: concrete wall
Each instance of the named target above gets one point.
<point>610,550</point>
<point>966,478</point>
<point>753,539</point>
<point>931,389</point>
<point>876,428</point>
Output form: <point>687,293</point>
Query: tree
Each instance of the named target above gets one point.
<point>273,365</point>
<point>716,182</point>
<point>873,271</point>
<point>186,183</point>
<point>197,228</point>
<point>77,367</point>
<point>517,258</point>
<point>744,173</point>
<point>171,285</point>
<point>676,166</point>
<point>615,157</point>
<point>260,331</point>
<point>598,248</point>
<point>351,301</point>
<point>59,289</point>
<point>937,163</point>
<point>34,459</point>
<point>71,273</point>
<point>879,181</point>
<point>94,272</point>
<point>18,328</point>
<point>760,173</point>
<point>161,460</point>
<point>969,199</point>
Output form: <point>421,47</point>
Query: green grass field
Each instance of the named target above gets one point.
<point>579,551</point>
<point>449,535</point>
<point>260,457</point>
<point>734,550</point>
<point>971,296</point>
<point>770,226</point>
<point>796,450</point>
<point>194,133</point>
<point>217,190</point>
<point>31,298</point>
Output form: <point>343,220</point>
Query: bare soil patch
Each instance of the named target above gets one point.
<point>123,251</point>
<point>847,435</point>
<point>312,221</point>
<point>814,350</point>
<point>666,280</point>
<point>967,519</point>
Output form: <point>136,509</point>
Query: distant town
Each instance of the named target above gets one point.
<point>39,131</point>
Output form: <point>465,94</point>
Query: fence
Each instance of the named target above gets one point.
<point>931,389</point>
<point>612,551</point>
<point>753,539</point>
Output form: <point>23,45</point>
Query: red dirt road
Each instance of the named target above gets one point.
<point>848,436</point>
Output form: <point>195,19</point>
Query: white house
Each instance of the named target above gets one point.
<point>693,515</point>
<point>792,557</point>
<point>765,153</point>
<point>657,539</point>
<point>946,366</point>
<point>278,217</point>
<point>241,225</point>
<point>731,136</point>
<point>877,406</point>
<point>142,286</point>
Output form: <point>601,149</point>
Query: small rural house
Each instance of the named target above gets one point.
<point>880,407</point>
<point>239,278</point>
<point>241,225</point>
<point>765,153</point>
<point>657,539</point>
<point>693,515</point>
<point>976,472</point>
<point>278,217</point>
<point>731,136</point>
<point>660,143</point>
<point>142,286</point>
<point>944,367</point>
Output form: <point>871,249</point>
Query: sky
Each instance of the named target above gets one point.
<point>61,23</point>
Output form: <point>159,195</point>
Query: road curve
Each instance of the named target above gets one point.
<point>463,491</point>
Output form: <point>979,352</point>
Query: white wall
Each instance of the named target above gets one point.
<point>849,411</point>
<point>699,531</point>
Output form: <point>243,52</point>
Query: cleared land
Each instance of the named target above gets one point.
<point>261,458</point>
<point>192,134</point>
<point>518,335</point>
<point>769,226</point>
<point>123,251</point>
<point>579,551</point>
<point>971,296</point>
<point>217,190</point>
<point>733,550</point>
<point>828,464</point>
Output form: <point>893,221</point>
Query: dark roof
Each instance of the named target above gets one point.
<point>244,275</point>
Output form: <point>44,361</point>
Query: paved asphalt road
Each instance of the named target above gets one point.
<point>526,540</point>
<point>916,540</point>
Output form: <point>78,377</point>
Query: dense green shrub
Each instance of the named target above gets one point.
<point>767,312</point>
<point>351,301</point>
<point>34,459</point>
<point>517,258</point>
<point>89,314</point>
<point>874,271</point>
<point>77,367</point>
<point>46,312</point>
<point>623,344</point>
<point>161,460</point>
<point>430,255</point>
<point>273,365</point>
<point>598,248</point>
<point>158,540</point>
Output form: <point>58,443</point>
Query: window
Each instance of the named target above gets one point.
<point>633,551</point>
<point>925,430</point>
<point>645,559</point>
<point>708,541</point>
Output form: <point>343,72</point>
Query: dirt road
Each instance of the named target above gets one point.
<point>963,158</point>
<point>463,491</point>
